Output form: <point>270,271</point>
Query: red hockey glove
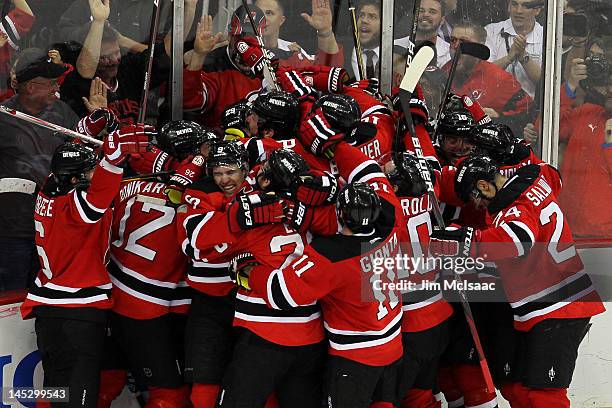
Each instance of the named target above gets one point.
<point>454,242</point>
<point>316,188</point>
<point>324,78</point>
<point>152,160</point>
<point>299,216</point>
<point>316,133</point>
<point>96,122</point>
<point>370,86</point>
<point>254,210</point>
<point>240,268</point>
<point>479,115</point>
<point>189,171</point>
<point>132,139</point>
<point>294,83</point>
<point>251,54</point>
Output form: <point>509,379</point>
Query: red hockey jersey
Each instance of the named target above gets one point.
<point>362,320</point>
<point>72,239</point>
<point>205,237</point>
<point>147,265</point>
<point>276,246</point>
<point>532,245</point>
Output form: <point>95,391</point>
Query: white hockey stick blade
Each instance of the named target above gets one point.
<point>415,70</point>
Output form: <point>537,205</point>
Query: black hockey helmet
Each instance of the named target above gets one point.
<point>181,138</point>
<point>405,174</point>
<point>469,171</point>
<point>341,111</point>
<point>72,160</point>
<point>283,167</point>
<point>227,153</point>
<point>457,122</point>
<point>279,111</point>
<point>494,139</point>
<point>358,207</point>
<point>235,116</point>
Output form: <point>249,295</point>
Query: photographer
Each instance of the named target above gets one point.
<point>587,161</point>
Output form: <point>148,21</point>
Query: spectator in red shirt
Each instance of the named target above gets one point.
<point>587,162</point>
<point>497,91</point>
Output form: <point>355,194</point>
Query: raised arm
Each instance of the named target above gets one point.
<point>321,20</point>
<point>89,57</point>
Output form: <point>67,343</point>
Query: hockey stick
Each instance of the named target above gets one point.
<point>148,176</point>
<point>268,72</point>
<point>476,50</point>
<point>419,64</point>
<point>48,125</point>
<point>356,40</point>
<point>144,97</point>
<point>413,31</point>
<point>407,87</point>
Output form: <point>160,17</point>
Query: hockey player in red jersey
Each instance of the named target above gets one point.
<point>551,296</point>
<point>147,268</point>
<point>201,223</point>
<point>280,351</point>
<point>425,325</point>
<point>363,332</point>
<point>71,295</point>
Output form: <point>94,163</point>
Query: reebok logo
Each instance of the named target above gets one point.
<point>242,47</point>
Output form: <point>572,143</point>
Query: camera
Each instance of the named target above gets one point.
<point>598,69</point>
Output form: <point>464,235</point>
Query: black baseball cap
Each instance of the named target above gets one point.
<point>34,62</point>
<point>240,23</point>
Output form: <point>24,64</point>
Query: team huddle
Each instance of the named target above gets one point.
<point>229,270</point>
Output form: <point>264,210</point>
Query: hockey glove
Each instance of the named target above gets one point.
<point>294,83</point>
<point>240,267</point>
<point>251,55</point>
<point>96,122</point>
<point>454,242</point>
<point>132,139</point>
<point>479,115</point>
<point>316,188</point>
<point>316,133</point>
<point>189,171</point>
<point>418,107</point>
<point>254,210</point>
<point>153,160</point>
<point>299,216</point>
<point>370,86</point>
<point>324,78</point>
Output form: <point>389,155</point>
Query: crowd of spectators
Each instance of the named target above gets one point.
<point>107,41</point>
